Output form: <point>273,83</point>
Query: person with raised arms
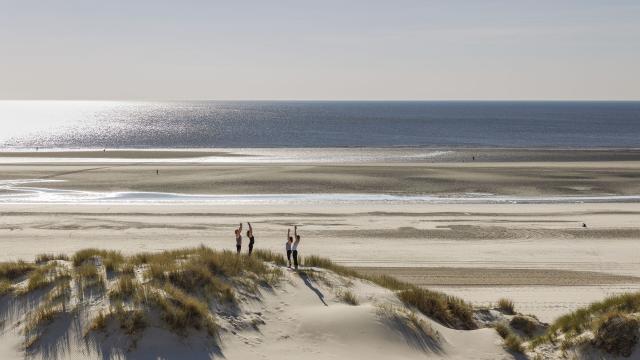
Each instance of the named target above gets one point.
<point>238,232</point>
<point>251,238</point>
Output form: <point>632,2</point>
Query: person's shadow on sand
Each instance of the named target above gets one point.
<point>309,284</point>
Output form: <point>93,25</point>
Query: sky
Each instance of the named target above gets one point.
<point>320,50</point>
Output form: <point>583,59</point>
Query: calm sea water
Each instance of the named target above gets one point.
<point>212,124</point>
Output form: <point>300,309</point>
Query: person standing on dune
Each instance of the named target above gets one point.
<point>287,245</point>
<point>239,238</point>
<point>251,238</point>
<point>294,247</point>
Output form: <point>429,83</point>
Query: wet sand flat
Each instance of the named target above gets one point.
<point>521,179</point>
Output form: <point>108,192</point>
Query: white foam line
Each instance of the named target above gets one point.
<point>18,193</point>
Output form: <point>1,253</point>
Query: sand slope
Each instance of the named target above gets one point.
<point>301,318</point>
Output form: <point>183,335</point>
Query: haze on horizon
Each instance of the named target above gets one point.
<point>331,50</point>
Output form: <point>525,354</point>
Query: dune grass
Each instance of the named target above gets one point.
<point>44,258</point>
<point>514,343</point>
<point>589,318</point>
<point>506,306</point>
<point>5,287</point>
<point>111,259</point>
<point>503,330</point>
<point>41,277</point>
<point>511,341</point>
<point>88,276</point>
<point>270,256</point>
<point>582,319</point>
<point>448,310</point>
<point>188,286</point>
<point>348,297</point>
<point>99,323</point>
<point>14,270</point>
<point>182,311</point>
<point>125,288</point>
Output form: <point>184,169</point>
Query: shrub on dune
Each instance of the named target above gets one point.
<point>617,333</point>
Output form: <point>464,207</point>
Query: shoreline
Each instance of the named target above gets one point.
<point>361,155</point>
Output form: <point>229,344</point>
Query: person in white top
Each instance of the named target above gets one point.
<point>294,247</point>
<point>238,232</point>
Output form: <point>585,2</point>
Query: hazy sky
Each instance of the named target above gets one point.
<point>394,49</point>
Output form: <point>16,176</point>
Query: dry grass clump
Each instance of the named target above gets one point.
<point>88,276</point>
<point>14,270</point>
<point>182,311</point>
<point>5,287</point>
<point>132,321</point>
<point>127,269</point>
<point>348,297</point>
<point>44,258</point>
<point>511,341</point>
<point>99,323</point>
<point>503,330</point>
<point>448,310</point>
<point>514,343</point>
<point>317,261</point>
<point>270,256</point>
<point>506,306</point>
<point>111,259</point>
<point>125,288</point>
<point>41,277</point>
<point>617,333</point>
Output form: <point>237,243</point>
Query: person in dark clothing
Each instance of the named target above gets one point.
<point>251,238</point>
<point>287,246</point>
<point>294,247</point>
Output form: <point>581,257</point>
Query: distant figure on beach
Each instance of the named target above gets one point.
<point>239,238</point>
<point>294,247</point>
<point>251,238</point>
<point>584,225</point>
<point>288,246</point>
<point>473,158</point>
<point>157,172</point>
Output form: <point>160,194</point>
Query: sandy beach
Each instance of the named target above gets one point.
<point>476,250</point>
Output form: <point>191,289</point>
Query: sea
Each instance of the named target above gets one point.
<point>25,125</point>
